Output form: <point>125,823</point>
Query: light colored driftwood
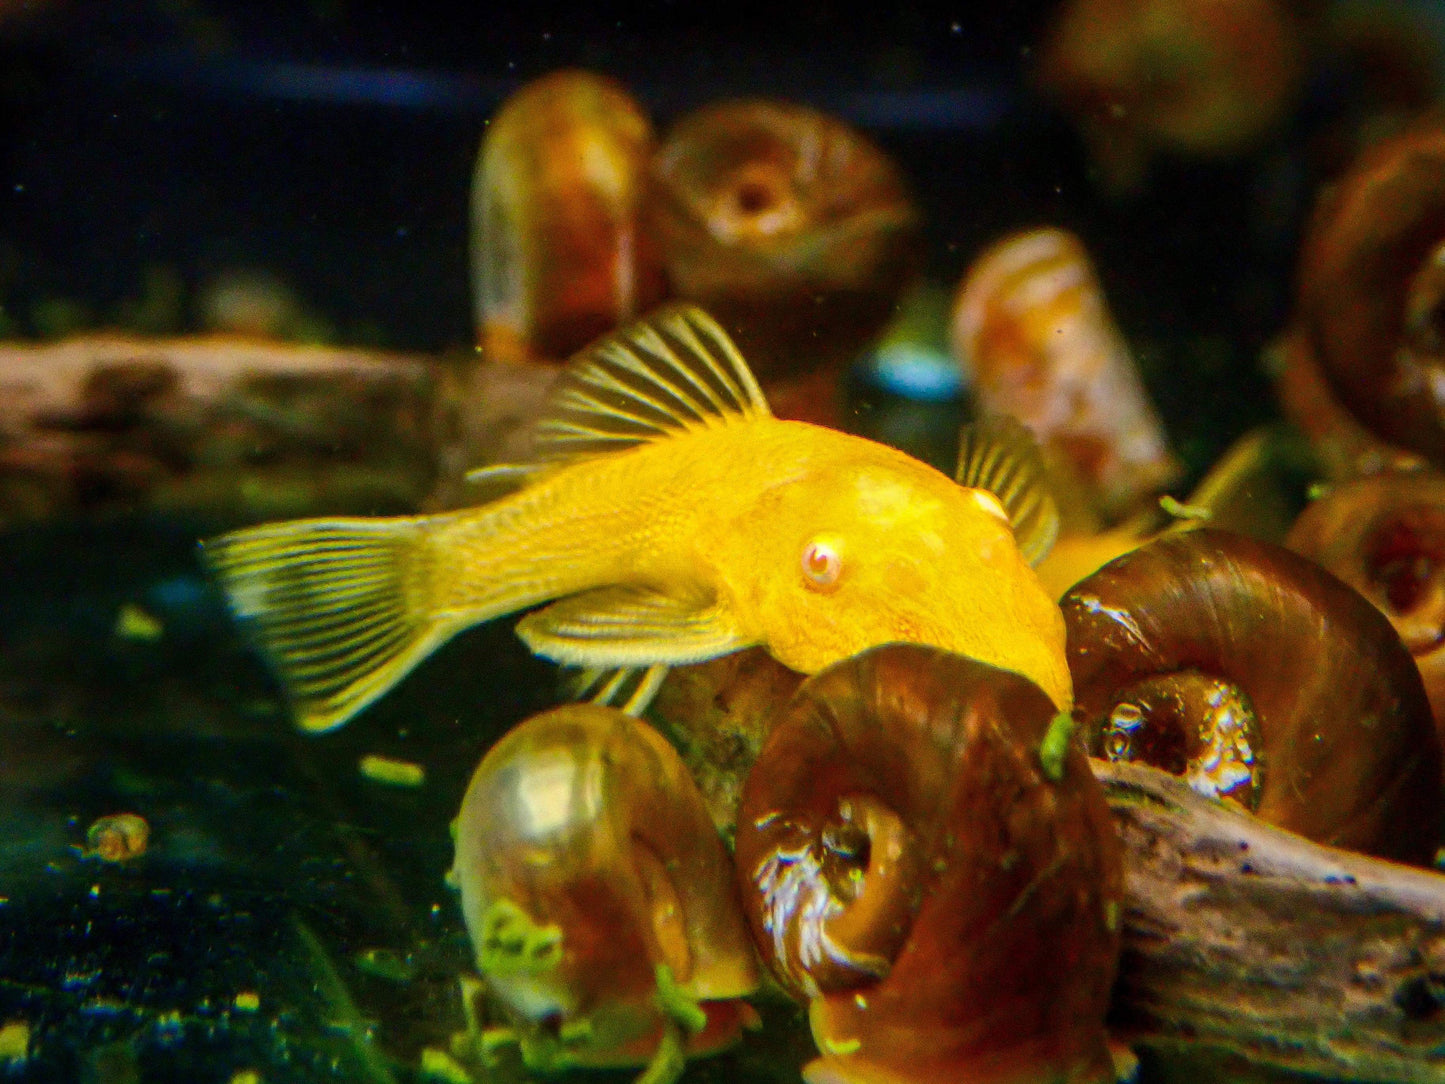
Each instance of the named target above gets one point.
<point>242,429</point>
<point>1264,945</point>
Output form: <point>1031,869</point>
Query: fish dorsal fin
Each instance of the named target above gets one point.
<point>673,371</point>
<point>999,454</point>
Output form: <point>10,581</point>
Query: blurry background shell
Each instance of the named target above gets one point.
<point>945,894</point>
<point>1372,290</point>
<point>790,227</point>
<point>1340,446</point>
<point>1385,537</point>
<point>585,821</point>
<point>1031,324</point>
<point>1204,78</point>
<point>559,255</point>
<point>1260,677</point>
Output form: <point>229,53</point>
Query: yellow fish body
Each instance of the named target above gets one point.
<point>674,520</point>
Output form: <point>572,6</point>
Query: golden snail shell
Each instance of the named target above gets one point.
<point>595,888</point>
<point>559,254</point>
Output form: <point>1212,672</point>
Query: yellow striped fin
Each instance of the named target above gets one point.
<point>674,371</point>
<point>999,454</point>
<point>625,626</point>
<point>334,606</point>
<point>629,689</point>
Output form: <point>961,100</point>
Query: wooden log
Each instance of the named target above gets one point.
<point>1243,942</point>
<point>243,430</point>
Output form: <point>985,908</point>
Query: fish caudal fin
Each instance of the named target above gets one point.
<point>336,604</point>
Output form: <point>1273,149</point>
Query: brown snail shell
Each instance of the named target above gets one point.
<point>910,865</point>
<point>1204,78</point>
<point>559,253</point>
<point>1031,323</point>
<point>790,227</point>
<point>1385,537</point>
<point>583,827</point>
<point>1260,677</point>
<point>1342,447</point>
<point>1372,289</point>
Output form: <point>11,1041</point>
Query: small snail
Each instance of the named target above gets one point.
<point>599,897</point>
<point>794,230</point>
<point>1203,78</point>
<point>1031,323</point>
<point>1372,289</point>
<point>925,856</point>
<point>559,255</point>
<point>1385,537</point>
<point>1260,677</point>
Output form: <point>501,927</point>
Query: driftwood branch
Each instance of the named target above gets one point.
<point>1261,944</point>
<point>244,430</point>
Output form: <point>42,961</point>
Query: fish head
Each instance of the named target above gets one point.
<point>859,555</point>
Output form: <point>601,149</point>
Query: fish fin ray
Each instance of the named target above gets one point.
<point>674,371</point>
<point>627,626</point>
<point>629,688</point>
<point>499,480</point>
<point>333,606</point>
<point>999,454</point>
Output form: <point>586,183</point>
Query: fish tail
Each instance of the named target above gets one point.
<point>341,607</point>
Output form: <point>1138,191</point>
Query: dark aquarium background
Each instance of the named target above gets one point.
<point>289,921</point>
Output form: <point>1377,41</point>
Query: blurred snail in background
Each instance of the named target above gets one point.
<point>599,898</point>
<point>559,255</point>
<point>790,227</point>
<point>1031,324</point>
<point>926,858</point>
<point>1371,306</point>
<point>1259,677</point>
<point>1385,537</point>
<point>1202,78</point>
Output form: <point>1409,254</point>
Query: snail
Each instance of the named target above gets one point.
<point>926,858</point>
<point>559,255</point>
<point>1385,536</point>
<point>599,897</point>
<point>1031,323</point>
<point>1371,301</point>
<point>1201,78</point>
<point>1262,678</point>
<point>793,229</point>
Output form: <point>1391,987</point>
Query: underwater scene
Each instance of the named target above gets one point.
<point>683,545</point>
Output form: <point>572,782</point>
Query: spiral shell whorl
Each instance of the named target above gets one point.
<point>983,943</point>
<point>1347,744</point>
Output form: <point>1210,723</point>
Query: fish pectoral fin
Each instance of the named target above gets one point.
<point>1000,454</point>
<point>625,627</point>
<point>627,688</point>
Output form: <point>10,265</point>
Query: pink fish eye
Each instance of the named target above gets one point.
<point>822,565</point>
